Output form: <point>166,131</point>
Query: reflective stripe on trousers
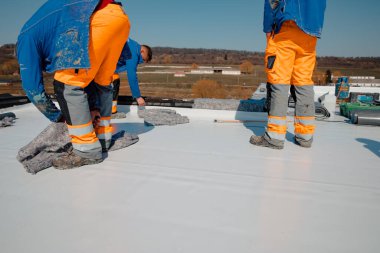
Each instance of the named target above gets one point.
<point>114,106</point>
<point>104,132</point>
<point>304,127</point>
<point>83,138</point>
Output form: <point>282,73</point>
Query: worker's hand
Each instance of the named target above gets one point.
<point>140,101</point>
<point>95,116</point>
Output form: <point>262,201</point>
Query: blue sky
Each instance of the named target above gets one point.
<point>351,26</point>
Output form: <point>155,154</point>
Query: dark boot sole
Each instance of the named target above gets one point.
<point>264,144</point>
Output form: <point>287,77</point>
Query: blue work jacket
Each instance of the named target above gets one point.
<point>56,37</point>
<point>308,15</point>
<point>134,58</point>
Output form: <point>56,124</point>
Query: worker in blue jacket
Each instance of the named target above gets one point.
<point>81,41</point>
<point>138,54</point>
<point>292,28</point>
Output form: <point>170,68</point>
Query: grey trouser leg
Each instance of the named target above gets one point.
<point>104,132</point>
<point>278,107</point>
<point>73,102</point>
<point>304,113</point>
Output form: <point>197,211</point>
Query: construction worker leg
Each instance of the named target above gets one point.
<point>74,105</point>
<point>304,125</point>
<point>106,26</point>
<point>304,88</point>
<point>104,130</point>
<point>277,125</point>
<point>100,99</point>
<point>279,59</point>
<point>116,89</point>
<point>119,32</point>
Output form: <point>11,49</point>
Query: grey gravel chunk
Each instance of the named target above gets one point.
<point>119,115</point>
<point>161,117</point>
<point>54,142</point>
<point>250,105</point>
<point>122,140</point>
<point>51,143</point>
<point>7,119</point>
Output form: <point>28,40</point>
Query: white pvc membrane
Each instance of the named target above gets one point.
<point>197,188</point>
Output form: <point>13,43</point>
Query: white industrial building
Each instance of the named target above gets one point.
<point>364,81</point>
<point>221,70</point>
<point>231,72</point>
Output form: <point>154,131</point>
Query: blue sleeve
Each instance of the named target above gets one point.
<point>31,69</point>
<point>132,77</point>
<point>268,17</point>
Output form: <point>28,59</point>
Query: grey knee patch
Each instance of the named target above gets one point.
<point>77,104</point>
<point>305,105</point>
<point>278,99</point>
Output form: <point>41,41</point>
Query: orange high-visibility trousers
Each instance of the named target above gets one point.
<point>290,59</point>
<point>109,31</point>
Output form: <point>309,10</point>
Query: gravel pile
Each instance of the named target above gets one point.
<point>162,117</point>
<point>249,105</point>
<point>7,119</point>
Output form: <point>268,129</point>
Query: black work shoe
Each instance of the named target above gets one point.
<point>303,143</point>
<point>72,160</point>
<point>261,141</point>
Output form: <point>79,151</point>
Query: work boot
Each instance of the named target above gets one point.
<point>72,160</point>
<point>303,143</point>
<point>261,141</point>
<point>122,140</point>
<point>118,115</point>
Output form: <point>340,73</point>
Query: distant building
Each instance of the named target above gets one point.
<point>362,77</point>
<point>217,70</point>
<point>364,81</point>
<point>201,71</point>
<point>231,72</point>
<point>179,74</point>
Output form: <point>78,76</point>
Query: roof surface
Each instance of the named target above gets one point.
<point>198,187</point>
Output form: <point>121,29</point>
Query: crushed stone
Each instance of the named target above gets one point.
<point>162,117</point>
<point>119,115</point>
<point>54,141</point>
<point>7,119</point>
<point>250,105</point>
<point>51,143</point>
